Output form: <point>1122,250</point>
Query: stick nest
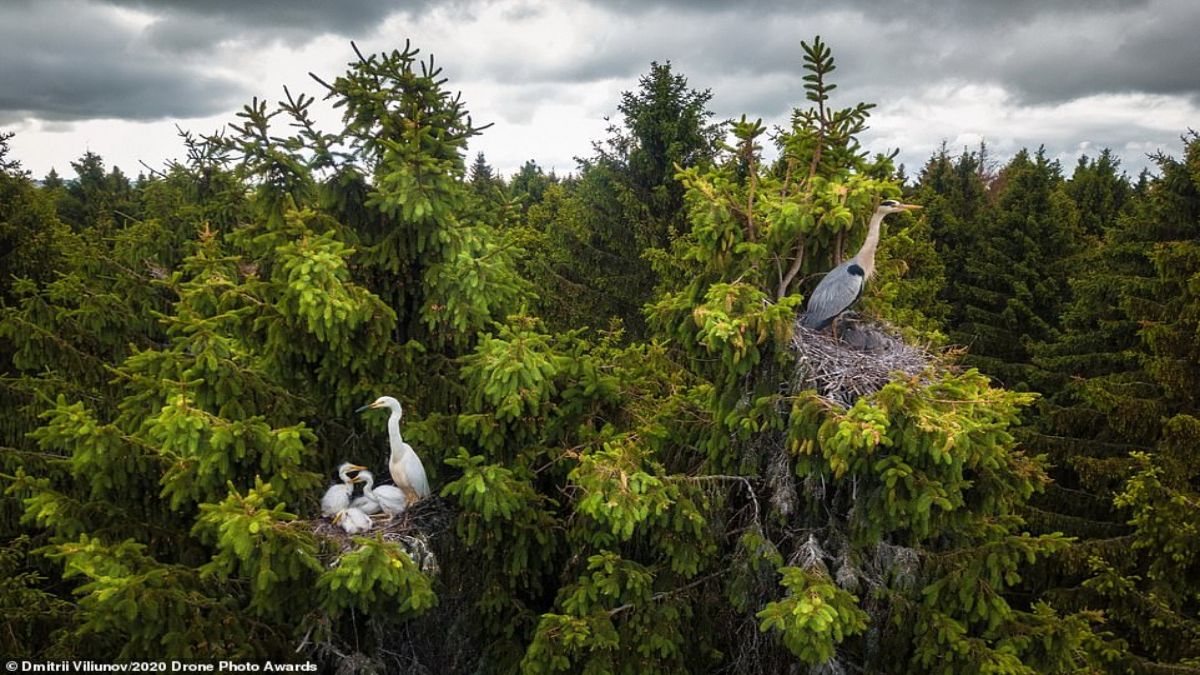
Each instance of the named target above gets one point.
<point>415,530</point>
<point>860,361</point>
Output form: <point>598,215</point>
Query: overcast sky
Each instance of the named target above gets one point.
<point>117,76</point>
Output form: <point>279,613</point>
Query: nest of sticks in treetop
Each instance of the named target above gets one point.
<point>863,358</point>
<point>414,530</point>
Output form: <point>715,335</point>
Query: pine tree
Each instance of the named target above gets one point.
<point>32,247</point>
<point>1112,425</point>
<point>29,228</point>
<point>428,246</point>
<point>627,203</point>
<point>97,198</point>
<point>1150,589</point>
<point>665,127</point>
<point>529,185</point>
<point>52,181</point>
<point>1099,192</point>
<point>684,503</point>
<point>954,193</point>
<point>8,166</point>
<point>65,332</point>
<point>178,461</point>
<point>1096,354</point>
<point>162,511</point>
<point>483,177</point>
<point>880,537</point>
<point>1007,282</point>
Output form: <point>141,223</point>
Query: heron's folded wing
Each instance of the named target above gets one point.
<point>834,295</point>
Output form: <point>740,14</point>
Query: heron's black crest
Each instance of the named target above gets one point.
<point>889,202</point>
<point>856,270</point>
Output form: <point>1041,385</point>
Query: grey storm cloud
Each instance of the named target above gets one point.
<point>75,59</point>
<point>309,16</point>
<point>1147,49</point>
<point>1040,51</point>
<point>183,26</point>
<point>68,61</point>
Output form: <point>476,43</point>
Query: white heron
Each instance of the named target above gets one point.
<point>337,497</point>
<point>387,498</point>
<point>352,520</point>
<point>407,471</point>
<point>843,285</point>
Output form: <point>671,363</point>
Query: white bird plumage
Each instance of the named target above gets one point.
<point>353,520</point>
<point>387,498</point>
<point>366,505</point>
<point>403,463</point>
<point>337,497</point>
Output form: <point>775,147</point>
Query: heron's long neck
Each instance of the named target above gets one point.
<point>369,486</point>
<point>866,255</point>
<point>394,440</point>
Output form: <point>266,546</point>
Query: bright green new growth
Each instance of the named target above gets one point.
<point>672,499</point>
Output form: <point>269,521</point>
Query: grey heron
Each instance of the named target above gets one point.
<point>405,466</point>
<point>388,498</point>
<point>337,497</point>
<point>843,285</point>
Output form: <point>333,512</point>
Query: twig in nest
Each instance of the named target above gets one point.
<point>862,362</point>
<point>413,529</point>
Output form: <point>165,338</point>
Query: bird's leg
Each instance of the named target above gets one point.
<point>833,327</point>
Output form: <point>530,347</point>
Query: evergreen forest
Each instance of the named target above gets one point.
<point>632,470</point>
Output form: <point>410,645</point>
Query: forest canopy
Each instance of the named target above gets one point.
<point>632,467</point>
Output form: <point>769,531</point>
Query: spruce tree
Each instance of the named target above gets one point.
<point>529,185</point>
<point>881,537</point>
<point>1096,354</point>
<point>685,503</point>
<point>628,203</point>
<point>487,184</point>
<point>1007,281</point>
<point>1109,421</point>
<point>33,245</point>
<point>180,461</point>
<point>1149,587</point>
<point>1099,192</point>
<point>97,198</point>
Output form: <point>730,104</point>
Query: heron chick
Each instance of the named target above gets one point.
<point>352,520</point>
<point>843,285</point>
<point>387,498</point>
<point>337,497</point>
<point>366,505</point>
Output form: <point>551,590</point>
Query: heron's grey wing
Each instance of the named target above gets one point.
<point>834,295</point>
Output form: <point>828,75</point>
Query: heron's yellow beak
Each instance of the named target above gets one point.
<point>355,467</point>
<point>911,207</point>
